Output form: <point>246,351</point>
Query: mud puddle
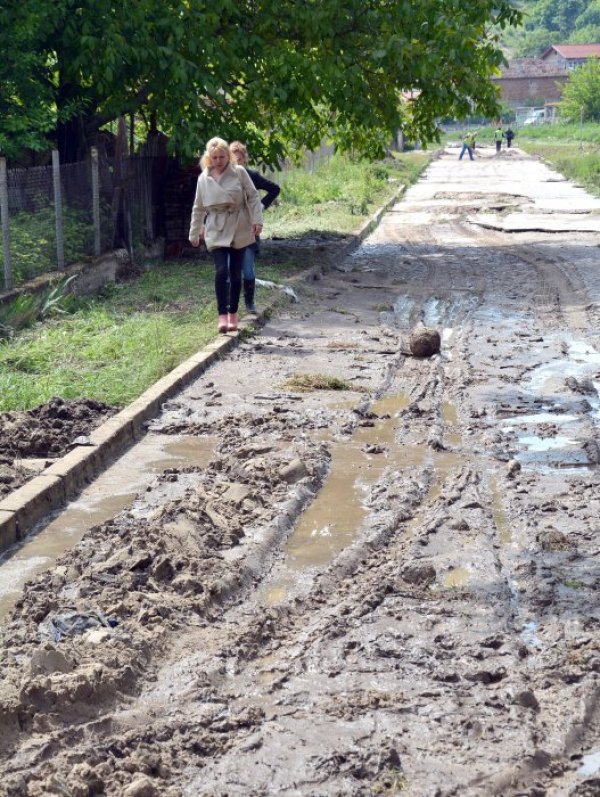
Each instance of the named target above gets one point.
<point>109,494</point>
<point>590,764</point>
<point>335,518</point>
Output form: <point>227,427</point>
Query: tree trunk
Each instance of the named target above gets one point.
<point>72,135</point>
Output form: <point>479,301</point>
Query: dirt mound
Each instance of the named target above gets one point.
<point>46,432</point>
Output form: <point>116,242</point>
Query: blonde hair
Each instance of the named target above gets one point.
<point>237,146</point>
<point>213,144</point>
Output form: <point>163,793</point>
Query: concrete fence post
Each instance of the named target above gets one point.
<point>58,211</point>
<point>5,224</point>
<point>96,200</point>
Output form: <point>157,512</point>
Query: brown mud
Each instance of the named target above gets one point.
<point>385,589</point>
<point>30,440</point>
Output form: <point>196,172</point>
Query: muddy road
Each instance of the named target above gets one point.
<point>386,588</point>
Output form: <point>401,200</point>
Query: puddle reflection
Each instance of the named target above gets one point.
<point>332,521</point>
<point>590,764</point>
<point>498,514</point>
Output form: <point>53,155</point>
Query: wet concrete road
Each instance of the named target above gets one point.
<point>386,589</point>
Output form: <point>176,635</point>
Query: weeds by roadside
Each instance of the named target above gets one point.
<point>28,308</point>
<point>339,193</point>
<point>577,164</point>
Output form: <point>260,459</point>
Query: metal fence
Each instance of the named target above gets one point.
<point>56,215</point>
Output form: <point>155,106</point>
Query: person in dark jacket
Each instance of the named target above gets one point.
<point>239,156</point>
<point>509,135</point>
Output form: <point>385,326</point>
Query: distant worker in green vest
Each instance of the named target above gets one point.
<point>498,136</point>
<point>468,144</point>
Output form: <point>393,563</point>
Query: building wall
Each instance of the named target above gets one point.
<point>528,90</point>
<point>554,58</point>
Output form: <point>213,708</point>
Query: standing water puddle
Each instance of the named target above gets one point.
<point>590,764</point>
<point>108,495</point>
<point>499,516</point>
<point>332,521</point>
<point>450,419</point>
<point>565,450</point>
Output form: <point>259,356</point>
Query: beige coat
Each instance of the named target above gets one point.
<point>231,206</point>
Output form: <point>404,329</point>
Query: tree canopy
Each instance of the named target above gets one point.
<point>547,22</point>
<point>581,94</point>
<point>278,73</point>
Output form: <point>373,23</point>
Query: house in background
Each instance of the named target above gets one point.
<point>570,56</point>
<point>530,82</point>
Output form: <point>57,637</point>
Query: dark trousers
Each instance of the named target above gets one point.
<point>498,146</point>
<point>228,278</point>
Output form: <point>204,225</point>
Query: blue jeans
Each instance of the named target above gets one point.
<point>248,263</point>
<point>228,278</point>
<point>250,253</point>
<point>465,148</point>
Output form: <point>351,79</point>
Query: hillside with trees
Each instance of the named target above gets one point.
<point>547,22</point>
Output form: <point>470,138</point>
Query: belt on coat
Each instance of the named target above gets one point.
<point>220,214</point>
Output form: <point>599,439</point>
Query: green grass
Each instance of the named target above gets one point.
<point>307,383</point>
<point>33,241</point>
<point>339,194</point>
<point>571,149</point>
<point>115,346</point>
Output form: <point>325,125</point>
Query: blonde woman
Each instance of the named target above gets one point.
<point>239,155</point>
<point>227,215</point>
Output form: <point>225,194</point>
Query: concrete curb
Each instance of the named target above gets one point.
<point>65,478</point>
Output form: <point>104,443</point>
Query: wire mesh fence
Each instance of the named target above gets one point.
<point>53,216</point>
<point>31,222</point>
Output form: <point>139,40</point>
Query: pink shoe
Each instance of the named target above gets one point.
<point>233,322</point>
<point>223,323</point>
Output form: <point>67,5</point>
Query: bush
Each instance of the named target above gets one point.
<point>33,241</point>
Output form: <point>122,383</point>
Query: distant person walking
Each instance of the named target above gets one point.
<point>239,155</point>
<point>498,136</point>
<point>468,145</point>
<point>509,135</point>
<point>227,214</point>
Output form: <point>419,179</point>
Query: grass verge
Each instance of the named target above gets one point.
<point>116,345</point>
<point>573,150</point>
<point>339,195</point>
<point>307,383</point>
<point>113,347</point>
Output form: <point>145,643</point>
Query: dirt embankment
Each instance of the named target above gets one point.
<point>31,440</point>
<point>385,584</point>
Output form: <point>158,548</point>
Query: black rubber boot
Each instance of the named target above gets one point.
<point>249,286</point>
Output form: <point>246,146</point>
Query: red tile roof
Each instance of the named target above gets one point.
<point>569,51</point>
